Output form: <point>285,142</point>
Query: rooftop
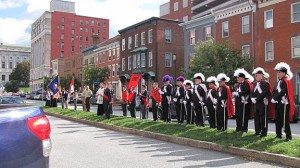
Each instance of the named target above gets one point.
<point>14,48</point>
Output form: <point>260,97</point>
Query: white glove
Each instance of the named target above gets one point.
<point>284,100</point>
<point>184,102</point>
<point>235,94</point>
<point>192,104</point>
<point>266,101</point>
<point>253,100</point>
<point>273,101</point>
<point>181,100</point>
<point>161,92</point>
<point>175,99</point>
<point>215,101</point>
<point>202,104</point>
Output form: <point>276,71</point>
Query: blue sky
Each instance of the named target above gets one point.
<point>16,16</point>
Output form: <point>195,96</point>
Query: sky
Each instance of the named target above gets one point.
<point>16,16</point>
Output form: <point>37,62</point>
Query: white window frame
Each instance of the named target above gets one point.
<point>113,51</point>
<point>123,64</point>
<point>171,59</point>
<point>243,49</point>
<point>133,61</point>
<point>136,40</point>
<point>113,70</point>
<point>244,25</point>
<point>266,52</point>
<point>292,12</point>
<point>208,36</point>
<point>138,60</point>
<point>143,60</point>
<point>223,25</point>
<point>168,37</point>
<point>292,47</point>
<point>185,18</point>
<point>176,6</point>
<point>192,36</point>
<point>129,63</point>
<point>265,19</point>
<point>185,3</point>
<point>150,59</point>
<point>143,38</point>
<point>150,36</point>
<point>123,44</point>
<point>129,42</point>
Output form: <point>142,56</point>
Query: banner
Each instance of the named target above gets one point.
<point>134,80</point>
<point>53,85</point>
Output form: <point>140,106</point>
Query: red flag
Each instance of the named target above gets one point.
<point>290,92</point>
<point>71,89</point>
<point>230,108</point>
<point>134,81</point>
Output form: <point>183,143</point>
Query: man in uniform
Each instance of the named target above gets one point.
<point>283,97</point>
<point>178,99</point>
<point>188,99</point>
<point>166,92</point>
<point>144,102</point>
<point>156,100</point>
<point>211,95</point>
<point>199,96</point>
<point>260,97</point>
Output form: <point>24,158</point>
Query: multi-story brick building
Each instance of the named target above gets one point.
<point>153,47</point>
<point>60,33</point>
<point>10,56</point>
<point>176,10</point>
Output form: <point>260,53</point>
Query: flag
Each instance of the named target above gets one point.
<point>71,88</point>
<point>134,80</point>
<point>53,85</point>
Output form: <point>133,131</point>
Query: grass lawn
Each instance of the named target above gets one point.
<point>24,89</point>
<point>227,139</point>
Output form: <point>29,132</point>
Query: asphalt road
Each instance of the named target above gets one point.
<point>81,146</point>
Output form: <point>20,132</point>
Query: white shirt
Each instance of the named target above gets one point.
<point>100,94</point>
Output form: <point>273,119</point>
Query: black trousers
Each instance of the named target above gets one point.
<point>190,114</point>
<point>280,118</point>
<point>131,108</point>
<point>100,110</point>
<point>179,111</point>
<point>241,114</point>
<point>87,104</point>
<point>124,109</point>
<point>154,110</point>
<point>222,118</point>
<point>48,103</point>
<point>54,102</point>
<point>106,109</point>
<point>199,110</point>
<point>212,112</point>
<point>261,118</point>
<point>165,115</point>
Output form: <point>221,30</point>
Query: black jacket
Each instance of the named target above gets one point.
<point>202,94</point>
<point>264,86</point>
<point>277,96</point>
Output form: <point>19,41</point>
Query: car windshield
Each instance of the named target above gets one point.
<point>11,100</point>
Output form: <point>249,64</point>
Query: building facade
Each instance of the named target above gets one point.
<point>59,34</point>
<point>153,48</point>
<point>176,10</point>
<point>10,57</point>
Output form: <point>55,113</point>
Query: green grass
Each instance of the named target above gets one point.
<point>24,89</point>
<point>227,139</point>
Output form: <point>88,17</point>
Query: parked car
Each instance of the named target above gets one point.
<point>25,134</point>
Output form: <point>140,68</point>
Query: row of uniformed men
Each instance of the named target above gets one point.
<point>192,99</point>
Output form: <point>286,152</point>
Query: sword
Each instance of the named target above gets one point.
<point>180,114</point>
<point>284,111</point>
<point>216,123</point>
<point>169,112</point>
<point>185,107</point>
<point>224,112</point>
<point>202,110</point>
<point>244,106</point>
<point>266,116</point>
<point>147,113</point>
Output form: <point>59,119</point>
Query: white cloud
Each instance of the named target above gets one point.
<point>13,31</point>
<point>6,4</point>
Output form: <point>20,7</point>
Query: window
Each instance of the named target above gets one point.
<point>129,63</point>
<point>62,46</point>
<point>143,38</point>
<point>268,19</point>
<point>92,61</point>
<point>62,19</point>
<point>86,22</point>
<point>136,40</point>
<point>62,36</point>
<point>192,37</point>
<point>123,64</point>
<point>113,70</point>
<point>168,59</point>
<point>3,64</point>
<point>86,30</point>
<point>86,61</point>
<point>73,48</point>
<point>92,23</point>
<point>168,35</point>
<point>269,51</point>
<point>81,22</point>
<point>134,61</point>
<point>73,24</point>
<point>10,65</point>
<point>129,42</point>
<point>123,44</point>
<point>73,31</point>
<point>207,31</point>
<point>109,54</point>
<point>117,69</point>
<point>175,6</point>
<point>185,3</point>
<point>150,59</point>
<point>114,51</point>
<point>225,29</point>
<point>118,52</point>
<point>3,77</point>
<point>81,29</point>
<point>143,60</point>
<point>80,38</point>
<point>138,60</point>
<point>86,38</point>
<point>62,27</point>
<point>150,36</point>
<point>185,18</point>
<point>296,47</point>
<point>295,12</point>
<point>246,51</point>
<point>72,39</point>
<point>246,24</point>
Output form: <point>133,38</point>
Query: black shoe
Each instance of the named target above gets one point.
<point>263,135</point>
<point>256,134</point>
<point>279,137</point>
<point>288,139</point>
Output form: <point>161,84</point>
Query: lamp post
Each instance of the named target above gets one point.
<point>174,60</point>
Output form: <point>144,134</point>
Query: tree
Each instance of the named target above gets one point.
<point>93,75</point>
<point>12,86</point>
<point>21,73</point>
<point>47,81</point>
<point>212,59</point>
<point>64,82</point>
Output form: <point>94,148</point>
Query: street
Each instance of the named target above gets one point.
<point>79,146</point>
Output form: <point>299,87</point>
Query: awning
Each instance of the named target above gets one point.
<point>125,76</point>
<point>140,49</point>
<point>149,75</point>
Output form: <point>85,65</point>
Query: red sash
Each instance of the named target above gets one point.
<point>131,96</point>
<point>156,95</point>
<point>124,96</point>
<point>290,94</point>
<point>230,108</point>
<point>271,106</point>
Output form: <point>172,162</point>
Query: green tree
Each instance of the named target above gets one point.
<point>21,73</point>
<point>47,81</point>
<point>92,75</point>
<point>12,86</point>
<point>212,59</point>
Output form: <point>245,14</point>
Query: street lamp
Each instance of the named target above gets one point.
<point>174,59</point>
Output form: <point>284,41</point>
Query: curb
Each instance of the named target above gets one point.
<point>242,152</point>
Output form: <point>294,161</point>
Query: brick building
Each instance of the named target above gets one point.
<point>153,47</point>
<point>176,10</point>
<point>58,34</point>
